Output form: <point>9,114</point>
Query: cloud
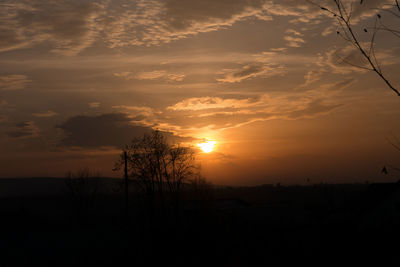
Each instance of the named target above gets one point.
<point>348,59</point>
<point>127,75</point>
<point>279,49</point>
<point>202,103</point>
<point>249,71</point>
<point>151,22</point>
<point>27,129</point>
<point>364,10</point>
<point>259,67</point>
<point>151,75</point>
<point>110,129</point>
<point>70,26</point>
<point>194,116</point>
<point>282,59</point>
<point>294,41</point>
<point>155,22</point>
<point>114,129</point>
<point>159,74</point>
<point>138,110</point>
<point>328,30</point>
<point>289,8</point>
<point>183,14</point>
<point>13,82</point>
<point>45,114</point>
<point>94,104</point>
<point>289,108</point>
<point>294,32</point>
<point>345,61</point>
<point>313,108</point>
<point>311,77</point>
<point>6,107</point>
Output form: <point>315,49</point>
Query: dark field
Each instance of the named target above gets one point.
<point>44,223</point>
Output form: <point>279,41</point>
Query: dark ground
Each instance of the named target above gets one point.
<point>44,224</point>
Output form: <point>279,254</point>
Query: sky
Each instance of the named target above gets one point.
<point>268,81</point>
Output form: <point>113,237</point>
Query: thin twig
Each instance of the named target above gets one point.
<point>394,145</point>
<point>354,65</point>
<point>343,18</point>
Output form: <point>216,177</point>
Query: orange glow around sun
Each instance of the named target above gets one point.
<point>207,146</point>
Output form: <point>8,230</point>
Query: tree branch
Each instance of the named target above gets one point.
<point>343,18</point>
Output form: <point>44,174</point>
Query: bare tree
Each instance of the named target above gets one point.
<point>343,12</point>
<point>158,166</point>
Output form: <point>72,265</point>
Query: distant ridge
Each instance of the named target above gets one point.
<point>44,186</point>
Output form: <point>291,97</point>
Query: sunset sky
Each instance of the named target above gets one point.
<point>263,79</point>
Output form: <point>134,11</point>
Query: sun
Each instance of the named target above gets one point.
<point>207,146</point>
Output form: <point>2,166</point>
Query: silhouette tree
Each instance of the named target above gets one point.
<point>158,166</point>
<point>343,11</point>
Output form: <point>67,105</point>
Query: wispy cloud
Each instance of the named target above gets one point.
<point>94,104</point>
<point>70,26</point>
<point>348,59</point>
<point>45,114</point>
<point>104,130</point>
<point>113,129</point>
<point>151,75</point>
<point>311,77</point>
<point>27,129</point>
<point>202,103</point>
<point>138,110</point>
<point>194,115</point>
<point>294,41</point>
<point>294,32</point>
<point>13,82</point>
<point>249,71</point>
<point>153,22</point>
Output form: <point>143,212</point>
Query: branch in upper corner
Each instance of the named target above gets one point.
<point>343,16</point>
